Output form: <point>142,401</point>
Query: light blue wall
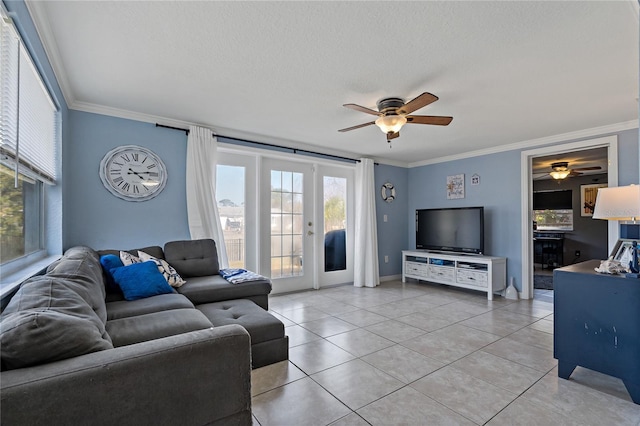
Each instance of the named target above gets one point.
<point>54,199</point>
<point>392,235</point>
<point>499,193</point>
<point>93,216</point>
<point>628,157</point>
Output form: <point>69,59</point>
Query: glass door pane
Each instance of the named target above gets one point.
<point>230,194</point>
<point>334,206</point>
<point>286,224</point>
<point>335,223</point>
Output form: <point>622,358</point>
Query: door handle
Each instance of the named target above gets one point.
<point>309,232</point>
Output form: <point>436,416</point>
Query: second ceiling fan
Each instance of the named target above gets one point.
<point>560,170</point>
<point>393,113</point>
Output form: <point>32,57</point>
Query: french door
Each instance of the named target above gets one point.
<point>287,224</point>
<point>334,207</point>
<point>290,221</point>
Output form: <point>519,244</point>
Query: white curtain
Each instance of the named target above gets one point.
<point>366,272</point>
<point>202,210</point>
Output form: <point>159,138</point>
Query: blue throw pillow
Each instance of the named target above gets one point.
<point>109,262</point>
<point>140,280</point>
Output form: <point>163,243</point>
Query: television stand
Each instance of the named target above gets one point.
<point>484,273</point>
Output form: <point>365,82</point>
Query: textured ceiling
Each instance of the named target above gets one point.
<point>508,72</point>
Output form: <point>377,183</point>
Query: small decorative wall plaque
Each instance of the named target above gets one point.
<point>475,179</point>
<point>455,187</point>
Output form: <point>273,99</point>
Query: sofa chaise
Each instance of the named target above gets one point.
<point>76,351</point>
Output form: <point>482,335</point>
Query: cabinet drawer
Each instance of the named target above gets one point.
<point>442,273</point>
<point>477,278</point>
<point>416,268</point>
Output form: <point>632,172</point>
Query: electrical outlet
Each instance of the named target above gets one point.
<point>386,259</point>
<point>385,218</point>
<point>577,253</point>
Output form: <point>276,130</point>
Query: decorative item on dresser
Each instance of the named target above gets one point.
<point>621,203</point>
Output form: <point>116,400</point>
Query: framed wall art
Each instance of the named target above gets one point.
<point>588,195</point>
<point>455,187</point>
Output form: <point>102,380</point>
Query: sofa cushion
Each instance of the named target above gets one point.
<point>46,320</point>
<point>261,325</point>
<point>214,288</point>
<point>142,328</point>
<point>161,302</point>
<point>155,251</point>
<point>109,262</point>
<point>170,274</point>
<point>195,258</point>
<point>80,270</point>
<point>140,280</point>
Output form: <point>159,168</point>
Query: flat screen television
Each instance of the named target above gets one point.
<point>458,230</point>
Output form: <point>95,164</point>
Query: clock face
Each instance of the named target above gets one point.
<point>133,173</point>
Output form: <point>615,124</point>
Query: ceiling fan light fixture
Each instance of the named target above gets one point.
<point>560,174</point>
<point>391,123</point>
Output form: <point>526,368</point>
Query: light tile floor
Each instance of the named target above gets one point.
<point>426,354</point>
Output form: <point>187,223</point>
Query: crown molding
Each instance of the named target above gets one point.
<point>48,40</point>
<point>220,131</point>
<point>548,140</point>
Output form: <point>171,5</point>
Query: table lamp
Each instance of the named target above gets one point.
<point>620,203</point>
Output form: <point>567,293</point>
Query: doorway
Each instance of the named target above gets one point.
<point>527,157</point>
<point>306,222</point>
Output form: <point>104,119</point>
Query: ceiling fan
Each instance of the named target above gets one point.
<point>561,170</point>
<point>393,113</point>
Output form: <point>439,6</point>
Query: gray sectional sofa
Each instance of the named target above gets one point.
<point>74,352</point>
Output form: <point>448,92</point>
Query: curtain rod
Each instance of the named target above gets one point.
<point>295,150</point>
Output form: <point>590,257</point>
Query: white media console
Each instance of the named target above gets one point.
<point>484,273</point>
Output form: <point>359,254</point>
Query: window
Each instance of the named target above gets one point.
<point>20,221</point>
<point>553,220</point>
<point>29,138</point>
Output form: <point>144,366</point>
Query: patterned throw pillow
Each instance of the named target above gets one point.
<point>173,278</point>
<point>129,259</point>
<point>140,280</point>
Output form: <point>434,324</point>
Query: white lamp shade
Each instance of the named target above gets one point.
<point>618,203</point>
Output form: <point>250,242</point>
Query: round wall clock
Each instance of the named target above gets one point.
<point>388,192</point>
<point>133,173</point>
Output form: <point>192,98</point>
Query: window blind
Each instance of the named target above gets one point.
<point>28,126</point>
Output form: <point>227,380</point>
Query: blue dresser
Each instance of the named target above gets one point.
<point>597,323</point>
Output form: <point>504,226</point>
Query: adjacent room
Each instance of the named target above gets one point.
<point>328,213</point>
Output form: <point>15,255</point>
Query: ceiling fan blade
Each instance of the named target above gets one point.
<point>361,109</point>
<point>392,135</point>
<point>357,127</point>
<point>574,173</point>
<point>416,103</point>
<point>429,119</point>
<point>588,168</point>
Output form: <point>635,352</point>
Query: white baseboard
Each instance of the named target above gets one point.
<point>391,278</point>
